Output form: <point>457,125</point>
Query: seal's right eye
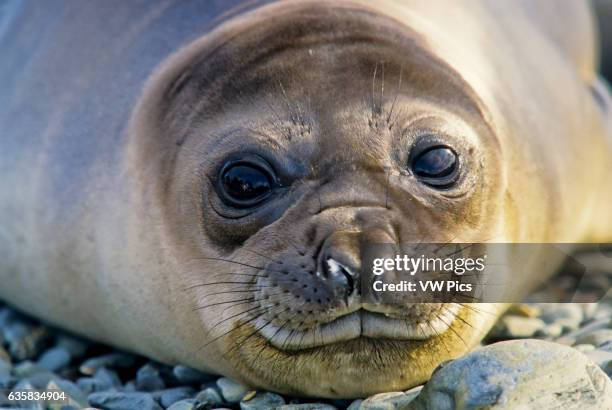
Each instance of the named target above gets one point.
<point>243,184</point>
<point>435,165</point>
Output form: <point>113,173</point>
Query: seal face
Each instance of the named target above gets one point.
<point>313,133</point>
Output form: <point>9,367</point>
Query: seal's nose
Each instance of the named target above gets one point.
<point>340,262</point>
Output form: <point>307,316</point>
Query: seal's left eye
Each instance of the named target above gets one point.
<point>245,184</point>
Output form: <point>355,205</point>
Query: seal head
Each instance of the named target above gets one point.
<point>289,143</point>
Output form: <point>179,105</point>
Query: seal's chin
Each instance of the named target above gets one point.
<point>361,323</point>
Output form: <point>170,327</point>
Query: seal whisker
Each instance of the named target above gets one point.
<point>475,309</point>
<point>235,315</point>
<point>250,289</point>
<point>230,261</point>
<point>279,124</point>
<point>279,121</point>
<point>257,330</point>
<point>387,171</point>
<point>235,328</point>
<point>373,107</point>
<point>382,85</point>
<point>278,330</point>
<point>264,344</point>
<point>222,283</point>
<point>290,109</point>
<point>435,331</point>
<point>252,299</point>
<point>460,318</point>
<point>303,333</point>
<point>397,92</point>
<point>218,283</point>
<point>439,317</point>
<point>469,297</point>
<point>238,263</point>
<point>263,310</point>
<point>250,275</point>
<point>225,302</point>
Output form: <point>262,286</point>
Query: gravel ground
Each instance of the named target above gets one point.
<point>35,356</point>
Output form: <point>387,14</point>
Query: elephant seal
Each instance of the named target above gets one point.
<point>194,186</point>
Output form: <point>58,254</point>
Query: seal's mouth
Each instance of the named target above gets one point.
<point>358,324</point>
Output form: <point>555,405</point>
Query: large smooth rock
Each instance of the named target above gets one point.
<point>526,374</point>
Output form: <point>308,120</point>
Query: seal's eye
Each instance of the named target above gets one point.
<point>436,166</point>
<point>244,184</point>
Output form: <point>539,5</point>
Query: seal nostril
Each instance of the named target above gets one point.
<point>349,279</point>
<point>341,276</point>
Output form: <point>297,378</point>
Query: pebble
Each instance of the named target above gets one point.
<point>552,330</point>
<point>210,396</point>
<point>568,315</point>
<point>518,374</point>
<point>596,338</point>
<point>26,368</point>
<point>263,401</point>
<point>13,330</point>
<point>94,384</point>
<point>4,356</point>
<point>584,347</point>
<point>25,342</point>
<point>54,359</point>
<point>30,405</point>
<point>604,311</point>
<point>513,326</point>
<point>111,361</point>
<point>231,391</point>
<point>187,375</point>
<point>108,377</point>
<point>41,379</point>
<point>189,404</point>
<point>123,401</point>
<point>571,337</point>
<point>148,378</point>
<point>75,347</point>
<point>5,365</point>
<point>71,389</point>
<point>589,310</point>
<point>607,346</point>
<point>608,369</point>
<point>390,401</point>
<point>7,381</point>
<point>170,396</point>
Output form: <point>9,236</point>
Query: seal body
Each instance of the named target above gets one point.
<point>124,214</point>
